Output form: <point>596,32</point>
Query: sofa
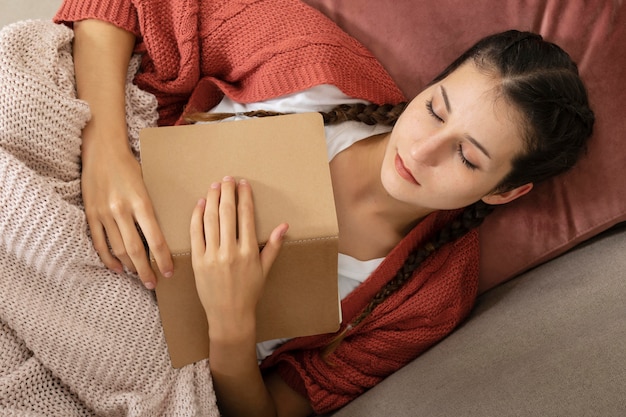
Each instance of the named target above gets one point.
<point>548,334</point>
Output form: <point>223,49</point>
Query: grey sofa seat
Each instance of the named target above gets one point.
<point>551,342</point>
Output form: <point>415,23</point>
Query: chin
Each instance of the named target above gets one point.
<point>399,189</point>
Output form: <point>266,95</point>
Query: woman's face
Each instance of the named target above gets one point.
<point>453,144</point>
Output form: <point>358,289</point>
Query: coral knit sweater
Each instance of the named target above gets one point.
<point>197,50</point>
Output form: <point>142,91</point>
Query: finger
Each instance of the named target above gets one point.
<point>100,245</point>
<point>211,218</point>
<point>245,216</point>
<point>137,253</point>
<point>272,248</point>
<point>117,243</point>
<point>196,230</point>
<point>228,213</point>
<point>146,219</point>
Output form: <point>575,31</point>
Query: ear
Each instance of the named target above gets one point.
<point>505,197</point>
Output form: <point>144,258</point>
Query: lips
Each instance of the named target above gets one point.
<point>403,171</point>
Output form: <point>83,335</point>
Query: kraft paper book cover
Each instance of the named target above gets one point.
<point>285,160</point>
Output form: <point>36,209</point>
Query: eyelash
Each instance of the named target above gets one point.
<point>468,164</point>
<point>429,107</point>
<point>463,159</point>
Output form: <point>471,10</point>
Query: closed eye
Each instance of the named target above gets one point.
<point>465,161</point>
<point>429,107</point>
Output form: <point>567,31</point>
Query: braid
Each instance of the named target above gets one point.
<point>214,117</point>
<point>370,114</point>
<point>469,219</point>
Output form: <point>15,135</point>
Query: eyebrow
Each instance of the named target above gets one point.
<point>478,145</point>
<point>444,94</point>
<point>446,101</point>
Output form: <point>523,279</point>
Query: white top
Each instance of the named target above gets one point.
<point>351,271</point>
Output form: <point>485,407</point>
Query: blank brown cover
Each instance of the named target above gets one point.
<point>285,160</point>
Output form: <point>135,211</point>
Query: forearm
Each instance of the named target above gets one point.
<point>239,385</point>
<point>102,53</point>
<point>230,274</point>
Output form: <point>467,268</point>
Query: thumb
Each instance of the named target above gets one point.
<point>272,247</point>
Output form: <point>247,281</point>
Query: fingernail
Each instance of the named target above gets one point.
<point>243,181</point>
<point>168,274</point>
<point>149,285</point>
<point>227,178</point>
<point>215,185</point>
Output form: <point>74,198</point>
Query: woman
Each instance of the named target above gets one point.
<point>481,132</point>
<point>507,114</point>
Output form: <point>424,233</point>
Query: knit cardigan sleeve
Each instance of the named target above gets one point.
<point>429,306</point>
<point>195,51</point>
<point>121,13</point>
<point>167,38</point>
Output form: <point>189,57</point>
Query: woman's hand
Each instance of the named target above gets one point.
<point>230,272</point>
<point>115,198</point>
<point>116,205</point>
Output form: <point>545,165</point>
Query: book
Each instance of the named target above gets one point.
<point>285,160</point>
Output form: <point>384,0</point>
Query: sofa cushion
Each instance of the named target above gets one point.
<point>416,39</point>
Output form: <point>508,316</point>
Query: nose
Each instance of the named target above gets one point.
<point>428,150</point>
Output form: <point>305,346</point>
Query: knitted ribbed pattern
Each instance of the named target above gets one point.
<point>427,308</point>
<point>249,49</point>
<point>75,338</point>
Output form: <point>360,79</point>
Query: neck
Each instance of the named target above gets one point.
<point>363,204</point>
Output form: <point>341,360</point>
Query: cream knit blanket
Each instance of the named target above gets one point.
<point>75,338</point>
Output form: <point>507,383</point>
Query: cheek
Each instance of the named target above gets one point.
<point>475,186</point>
<point>458,187</point>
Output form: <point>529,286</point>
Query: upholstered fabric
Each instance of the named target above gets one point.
<point>416,39</point>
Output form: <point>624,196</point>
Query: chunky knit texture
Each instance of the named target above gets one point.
<point>75,338</point>
<point>88,341</point>
<point>251,50</point>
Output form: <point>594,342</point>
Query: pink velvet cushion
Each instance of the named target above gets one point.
<point>416,39</point>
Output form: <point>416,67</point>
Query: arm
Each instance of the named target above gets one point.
<point>230,275</point>
<point>114,195</point>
